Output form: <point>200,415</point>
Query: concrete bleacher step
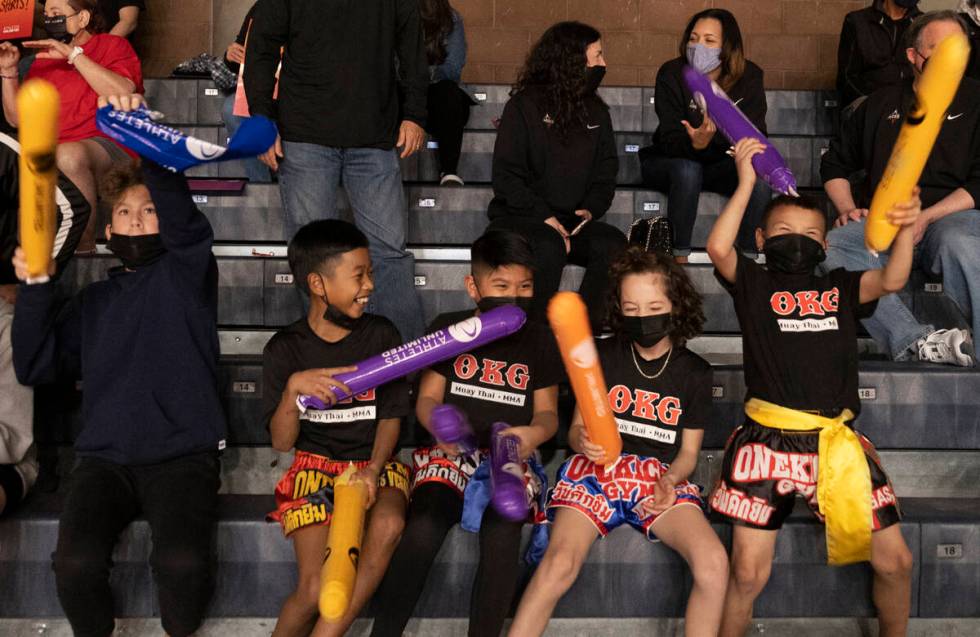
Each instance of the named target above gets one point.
<point>256,569</point>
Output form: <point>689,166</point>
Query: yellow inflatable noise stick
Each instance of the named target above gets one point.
<point>343,545</point>
<point>935,92</point>
<point>38,105</point>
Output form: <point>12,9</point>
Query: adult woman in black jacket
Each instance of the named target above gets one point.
<point>555,165</point>
<point>688,154</point>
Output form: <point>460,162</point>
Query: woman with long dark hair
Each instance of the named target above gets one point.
<point>555,164</point>
<point>688,154</point>
<point>449,104</point>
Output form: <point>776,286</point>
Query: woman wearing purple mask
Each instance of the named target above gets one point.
<point>688,155</point>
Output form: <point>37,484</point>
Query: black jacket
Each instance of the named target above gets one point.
<point>871,53</point>
<point>144,343</point>
<point>674,103</point>
<point>868,136</point>
<point>71,208</point>
<point>537,174</point>
<point>351,69</point>
<point>973,70</point>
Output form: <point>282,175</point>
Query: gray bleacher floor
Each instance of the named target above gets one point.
<point>925,419</point>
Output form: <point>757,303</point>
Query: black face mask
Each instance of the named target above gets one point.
<point>138,250</point>
<point>907,4</point>
<point>335,316</point>
<point>793,254</point>
<point>57,28</point>
<point>487,303</point>
<point>647,331</point>
<point>593,78</point>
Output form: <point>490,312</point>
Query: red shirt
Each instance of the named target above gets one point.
<point>79,101</point>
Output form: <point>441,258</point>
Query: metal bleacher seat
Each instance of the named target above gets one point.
<point>925,419</point>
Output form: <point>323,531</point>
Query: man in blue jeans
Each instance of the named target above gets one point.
<point>948,232</point>
<point>353,86</point>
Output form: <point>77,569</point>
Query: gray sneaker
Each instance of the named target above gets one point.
<point>950,347</point>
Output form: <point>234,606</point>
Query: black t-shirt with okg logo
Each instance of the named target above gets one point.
<point>652,413</point>
<point>496,382</point>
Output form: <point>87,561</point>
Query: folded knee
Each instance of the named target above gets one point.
<point>73,159</point>
<point>77,566</point>
<point>182,565</point>
<point>749,579</point>
<point>710,569</point>
<point>896,563</point>
<point>560,568</point>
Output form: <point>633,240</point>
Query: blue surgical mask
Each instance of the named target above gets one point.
<point>703,59</point>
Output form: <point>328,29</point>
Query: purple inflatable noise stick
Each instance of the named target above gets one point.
<point>509,495</point>
<point>450,427</point>
<point>424,352</point>
<point>768,164</point>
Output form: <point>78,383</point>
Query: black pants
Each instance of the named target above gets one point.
<point>595,247</point>
<point>449,110</point>
<point>683,180</point>
<point>178,498</point>
<point>433,512</point>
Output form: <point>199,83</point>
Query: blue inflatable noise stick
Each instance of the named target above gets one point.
<point>176,151</point>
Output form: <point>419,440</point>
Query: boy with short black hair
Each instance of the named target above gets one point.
<point>512,380</point>
<point>330,261</point>
<point>800,358</point>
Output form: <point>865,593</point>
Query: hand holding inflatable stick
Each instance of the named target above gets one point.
<point>450,427</point>
<point>734,125</point>
<point>461,337</point>
<point>38,103</point>
<point>570,322</point>
<point>343,545</point>
<point>509,497</point>
<point>934,93</point>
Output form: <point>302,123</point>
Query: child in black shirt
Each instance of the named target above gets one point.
<point>512,380</point>
<point>330,259</point>
<point>661,394</point>
<point>800,356</point>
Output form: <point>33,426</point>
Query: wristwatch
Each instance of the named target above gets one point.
<point>75,52</point>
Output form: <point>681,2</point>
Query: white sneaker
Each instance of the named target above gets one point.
<point>951,347</point>
<point>450,179</point>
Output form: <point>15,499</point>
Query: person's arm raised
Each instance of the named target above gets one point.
<point>721,241</point>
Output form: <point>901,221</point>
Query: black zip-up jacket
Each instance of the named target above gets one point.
<point>144,342</point>
<point>867,138</point>
<point>71,209</point>
<point>674,103</point>
<point>352,70</point>
<point>537,174</point>
<point>871,53</point>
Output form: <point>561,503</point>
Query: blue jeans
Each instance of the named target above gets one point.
<point>256,171</point>
<point>950,247</point>
<point>684,179</point>
<point>309,175</point>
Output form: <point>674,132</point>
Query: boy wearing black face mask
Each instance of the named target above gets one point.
<point>330,260</point>
<point>153,426</point>
<point>512,380</point>
<point>800,358</point>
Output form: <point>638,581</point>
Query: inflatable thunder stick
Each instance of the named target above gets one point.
<point>734,125</point>
<point>934,93</point>
<point>343,545</point>
<point>508,497</point>
<point>173,149</point>
<point>570,323</point>
<point>425,352</point>
<point>450,427</point>
<point>38,104</point>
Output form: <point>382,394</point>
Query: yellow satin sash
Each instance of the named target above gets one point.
<point>843,477</point>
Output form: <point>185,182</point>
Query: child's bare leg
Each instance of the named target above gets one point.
<point>892,590</point>
<point>384,526</point>
<point>686,530</point>
<point>752,553</point>
<point>299,611</point>
<point>571,538</point>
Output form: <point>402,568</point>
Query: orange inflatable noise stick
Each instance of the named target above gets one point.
<point>570,323</point>
<point>343,545</point>
<point>38,104</point>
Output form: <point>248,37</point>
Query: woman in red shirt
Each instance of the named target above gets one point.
<point>83,63</point>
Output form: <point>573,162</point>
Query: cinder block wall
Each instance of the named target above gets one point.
<point>795,41</point>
